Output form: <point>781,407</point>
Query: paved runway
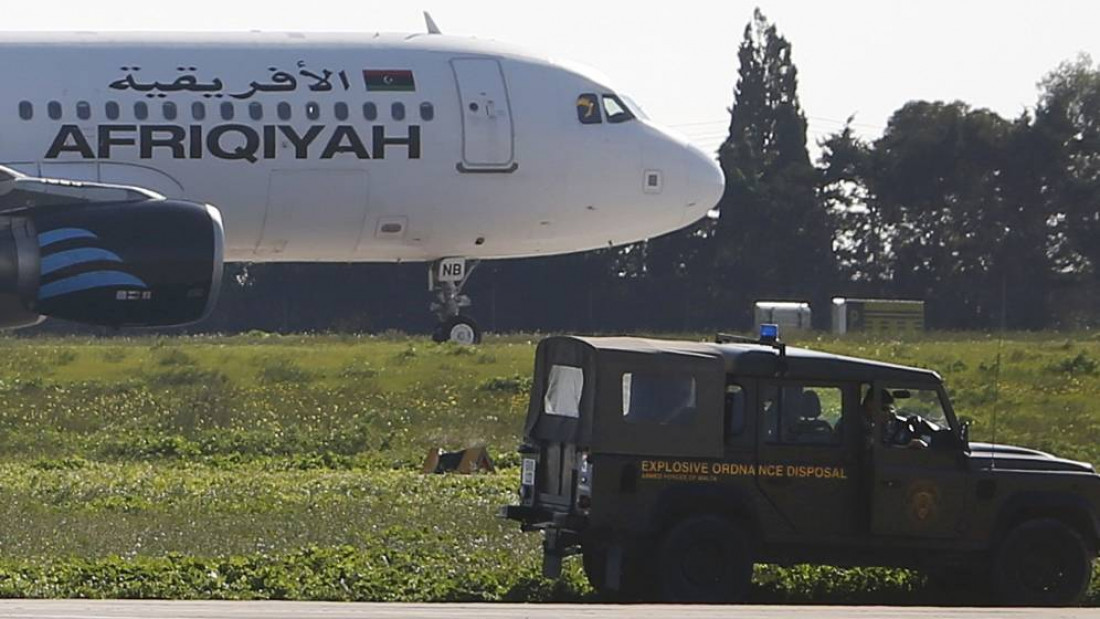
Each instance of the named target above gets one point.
<point>109,609</point>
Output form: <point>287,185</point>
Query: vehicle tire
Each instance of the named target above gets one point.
<point>1042,563</point>
<point>458,329</point>
<point>705,559</point>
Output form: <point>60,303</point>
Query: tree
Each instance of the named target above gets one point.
<point>946,207</point>
<point>1068,122</point>
<point>774,238</point>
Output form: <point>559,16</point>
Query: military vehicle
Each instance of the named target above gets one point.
<point>672,467</point>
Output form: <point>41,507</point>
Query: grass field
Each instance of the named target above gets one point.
<point>288,467</point>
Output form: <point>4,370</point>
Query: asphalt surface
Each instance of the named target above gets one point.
<point>129,609</point>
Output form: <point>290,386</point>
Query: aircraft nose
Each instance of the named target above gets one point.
<point>706,182</point>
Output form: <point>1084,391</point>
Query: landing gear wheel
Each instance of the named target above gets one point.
<point>1042,563</point>
<point>705,559</point>
<point>458,329</point>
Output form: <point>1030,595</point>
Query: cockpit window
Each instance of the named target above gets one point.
<point>617,112</point>
<point>634,108</point>
<point>588,109</point>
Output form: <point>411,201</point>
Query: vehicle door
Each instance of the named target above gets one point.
<point>806,455</point>
<point>919,484</point>
<point>487,129</point>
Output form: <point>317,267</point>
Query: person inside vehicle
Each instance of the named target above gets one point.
<point>897,431</point>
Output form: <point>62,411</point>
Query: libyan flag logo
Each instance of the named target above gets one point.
<point>389,80</point>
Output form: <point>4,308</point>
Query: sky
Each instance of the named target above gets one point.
<point>678,59</point>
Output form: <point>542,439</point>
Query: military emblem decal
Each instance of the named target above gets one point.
<point>923,502</point>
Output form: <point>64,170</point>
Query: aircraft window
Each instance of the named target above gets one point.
<point>427,111</point>
<point>169,110</point>
<point>26,110</point>
<point>313,111</point>
<point>198,110</point>
<point>283,110</point>
<point>588,109</point>
<point>83,110</point>
<point>341,111</point>
<point>227,110</point>
<point>256,110</point>
<point>54,110</point>
<point>113,111</point>
<point>634,108</point>
<point>397,111</point>
<point>617,112</point>
<point>370,111</point>
<point>141,110</point>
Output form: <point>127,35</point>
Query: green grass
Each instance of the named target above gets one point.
<point>263,466</point>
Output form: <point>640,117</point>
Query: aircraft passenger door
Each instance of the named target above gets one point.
<point>487,131</point>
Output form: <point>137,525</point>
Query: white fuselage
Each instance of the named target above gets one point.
<point>350,147</point>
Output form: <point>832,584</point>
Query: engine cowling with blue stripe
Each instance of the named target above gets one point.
<point>147,263</point>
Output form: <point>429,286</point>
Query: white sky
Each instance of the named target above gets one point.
<point>679,58</point>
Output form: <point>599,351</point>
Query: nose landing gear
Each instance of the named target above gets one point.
<point>446,278</point>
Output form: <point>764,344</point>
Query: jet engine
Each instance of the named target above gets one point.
<point>104,255</point>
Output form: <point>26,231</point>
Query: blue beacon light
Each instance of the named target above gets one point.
<point>769,333</point>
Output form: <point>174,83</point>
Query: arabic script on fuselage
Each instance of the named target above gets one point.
<point>325,80</point>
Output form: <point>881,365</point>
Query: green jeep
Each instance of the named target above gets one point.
<point>672,467</point>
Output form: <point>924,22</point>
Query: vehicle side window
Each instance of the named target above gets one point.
<point>659,398</point>
<point>563,391</point>
<point>735,411</point>
<point>617,112</point>
<point>802,414</point>
<point>588,109</point>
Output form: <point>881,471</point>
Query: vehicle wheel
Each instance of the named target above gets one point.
<point>705,559</point>
<point>1042,563</point>
<point>458,329</point>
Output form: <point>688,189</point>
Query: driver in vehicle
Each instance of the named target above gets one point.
<point>898,430</point>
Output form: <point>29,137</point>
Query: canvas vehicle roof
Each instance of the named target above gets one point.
<point>763,360</point>
<point>605,362</point>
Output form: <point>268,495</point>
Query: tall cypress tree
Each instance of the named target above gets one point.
<point>774,238</point>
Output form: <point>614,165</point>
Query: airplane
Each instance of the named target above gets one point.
<point>133,164</point>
